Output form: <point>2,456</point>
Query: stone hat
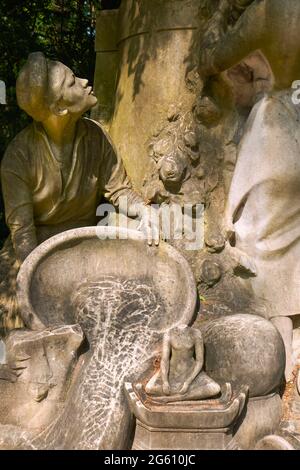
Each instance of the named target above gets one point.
<point>31,86</point>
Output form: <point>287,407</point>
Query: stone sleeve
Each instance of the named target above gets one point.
<point>18,204</point>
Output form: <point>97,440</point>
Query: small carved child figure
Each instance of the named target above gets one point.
<point>180,377</point>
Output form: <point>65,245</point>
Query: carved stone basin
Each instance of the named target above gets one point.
<point>57,268</point>
<point>124,295</point>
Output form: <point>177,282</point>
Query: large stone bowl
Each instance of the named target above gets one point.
<point>58,267</point>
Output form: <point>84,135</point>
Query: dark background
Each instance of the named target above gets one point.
<point>63,30</point>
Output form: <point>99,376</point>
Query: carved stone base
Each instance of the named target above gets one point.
<point>148,438</point>
<point>202,425</point>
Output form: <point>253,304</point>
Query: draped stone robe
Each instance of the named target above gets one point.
<point>264,202</point>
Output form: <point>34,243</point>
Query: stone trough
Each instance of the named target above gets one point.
<point>51,274</point>
<point>124,295</point>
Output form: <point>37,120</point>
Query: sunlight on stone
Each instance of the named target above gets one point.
<point>2,352</point>
<point>2,92</point>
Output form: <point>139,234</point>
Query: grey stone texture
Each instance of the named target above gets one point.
<point>202,425</point>
<point>244,350</point>
<point>123,295</point>
<point>197,98</point>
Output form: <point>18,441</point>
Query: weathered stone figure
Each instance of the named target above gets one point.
<point>55,171</point>
<point>180,377</point>
<point>263,206</point>
<point>34,383</point>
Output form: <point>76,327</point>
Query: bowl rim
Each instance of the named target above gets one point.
<point>48,247</point>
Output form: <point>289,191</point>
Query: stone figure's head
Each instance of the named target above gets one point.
<point>44,359</point>
<point>172,169</point>
<point>45,87</point>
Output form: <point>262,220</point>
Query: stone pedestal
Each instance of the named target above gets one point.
<point>148,438</point>
<point>199,425</point>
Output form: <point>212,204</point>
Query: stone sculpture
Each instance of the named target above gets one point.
<point>177,167</point>
<point>35,381</point>
<point>204,424</point>
<point>233,397</point>
<point>180,377</point>
<point>91,368</point>
<point>262,210</point>
<point>123,309</point>
<point>7,373</point>
<point>55,171</point>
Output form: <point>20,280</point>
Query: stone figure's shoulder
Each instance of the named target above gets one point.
<point>18,148</point>
<point>95,130</point>
<point>93,127</point>
<point>196,333</point>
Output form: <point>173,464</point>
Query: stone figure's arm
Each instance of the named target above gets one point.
<point>199,360</point>
<point>165,364</point>
<point>18,205</point>
<point>247,36</point>
<point>216,25</point>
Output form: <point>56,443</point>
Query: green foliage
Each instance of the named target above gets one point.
<point>63,29</point>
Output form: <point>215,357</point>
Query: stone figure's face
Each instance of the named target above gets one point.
<point>44,359</point>
<point>172,169</point>
<point>76,96</point>
<point>30,360</point>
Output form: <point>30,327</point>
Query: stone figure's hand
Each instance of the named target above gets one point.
<point>166,388</point>
<point>248,264</point>
<point>243,261</point>
<point>184,388</point>
<point>150,224</point>
<point>228,228</point>
<point>228,232</point>
<point>7,373</point>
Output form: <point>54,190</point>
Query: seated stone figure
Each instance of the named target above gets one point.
<point>180,377</point>
<point>55,172</point>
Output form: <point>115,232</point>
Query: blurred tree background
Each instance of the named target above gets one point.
<point>63,29</point>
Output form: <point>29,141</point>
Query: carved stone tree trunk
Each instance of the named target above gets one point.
<point>176,134</point>
<point>154,41</point>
